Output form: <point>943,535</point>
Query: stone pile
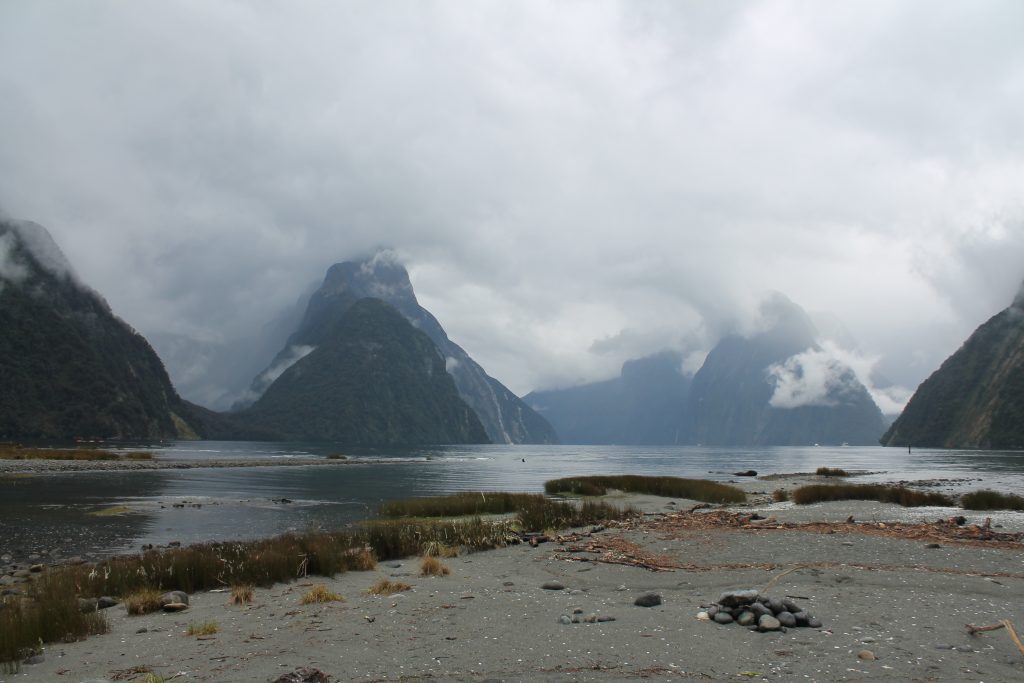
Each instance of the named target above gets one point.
<point>758,612</point>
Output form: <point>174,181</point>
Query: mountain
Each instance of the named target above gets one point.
<point>372,379</point>
<point>505,417</point>
<point>68,366</point>
<point>779,387</point>
<point>976,397</point>
<point>643,406</point>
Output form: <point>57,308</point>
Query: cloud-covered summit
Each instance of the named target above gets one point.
<point>201,163</point>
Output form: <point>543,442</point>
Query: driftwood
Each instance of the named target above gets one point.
<point>1005,623</point>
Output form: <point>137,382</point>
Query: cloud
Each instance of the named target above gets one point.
<point>291,356</point>
<point>11,269</point>
<point>546,195</point>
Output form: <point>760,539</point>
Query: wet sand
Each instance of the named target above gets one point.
<point>902,599</point>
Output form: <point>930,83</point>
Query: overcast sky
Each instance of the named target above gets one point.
<point>570,184</point>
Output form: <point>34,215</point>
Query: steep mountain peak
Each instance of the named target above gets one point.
<point>1018,301</point>
<point>380,276</point>
<point>783,325</point>
<point>25,245</point>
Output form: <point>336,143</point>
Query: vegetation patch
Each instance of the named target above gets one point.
<point>986,499</point>
<point>431,566</point>
<point>780,495</point>
<point>831,472</point>
<point>543,514</point>
<point>242,594</point>
<point>320,593</point>
<point>670,487</point>
<point>899,495</point>
<point>457,505</point>
<point>24,453</point>
<point>206,628</point>
<point>383,586</point>
<point>142,601</point>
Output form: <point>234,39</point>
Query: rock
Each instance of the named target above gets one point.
<point>604,618</point>
<point>933,546</point>
<point>866,655</point>
<point>564,619</point>
<point>7,580</point>
<point>75,560</point>
<point>759,609</point>
<point>813,622</point>
<point>802,618</point>
<point>175,607</point>
<point>21,573</point>
<point>553,586</point>
<point>648,600</point>
<point>142,629</point>
<point>590,619</point>
<point>87,604</point>
<point>36,568</point>
<point>790,605</point>
<point>106,602</point>
<point>768,623</point>
<point>748,473</point>
<point>786,618</point>
<point>174,597</point>
<point>775,605</point>
<point>737,598</point>
<point>34,659</point>
<point>703,616</point>
<point>306,674</point>
<point>747,618</point>
<point>577,611</point>
<point>713,610</point>
<point>723,618</point>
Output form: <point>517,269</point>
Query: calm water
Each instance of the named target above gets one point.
<point>42,513</point>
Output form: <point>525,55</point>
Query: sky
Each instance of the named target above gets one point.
<point>571,184</point>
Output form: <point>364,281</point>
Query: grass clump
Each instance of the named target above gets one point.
<point>670,487</point>
<point>780,495</point>
<point>899,495</point>
<point>242,594</point>
<point>207,628</point>
<point>143,601</point>
<point>431,566</point>
<point>383,586</point>
<point>456,505</point>
<point>24,453</point>
<point>319,594</point>
<point>986,499</point>
<point>543,513</point>
<point>831,472</point>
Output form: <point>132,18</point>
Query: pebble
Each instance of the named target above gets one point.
<point>723,618</point>
<point>553,586</point>
<point>703,616</point>
<point>747,618</point>
<point>564,619</point>
<point>866,655</point>
<point>648,600</point>
<point>786,619</point>
<point>768,623</point>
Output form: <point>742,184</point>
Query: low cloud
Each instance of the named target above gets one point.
<point>11,269</point>
<point>292,356</point>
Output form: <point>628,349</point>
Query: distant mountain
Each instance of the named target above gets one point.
<point>777,387</point>
<point>505,417</point>
<point>68,366</point>
<point>371,379</point>
<point>976,397</point>
<point>643,406</point>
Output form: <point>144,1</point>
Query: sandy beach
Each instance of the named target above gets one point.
<point>894,600</point>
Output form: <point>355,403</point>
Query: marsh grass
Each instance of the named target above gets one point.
<point>384,586</point>
<point>143,601</point>
<point>457,505</point>
<point>671,487</point>
<point>242,594</point>
<point>831,472</point>
<point>24,453</point>
<point>431,566</point>
<point>986,499</point>
<point>780,495</point>
<point>206,628</point>
<point>110,511</point>
<point>319,594</point>
<point>898,495</point>
<point>543,514</point>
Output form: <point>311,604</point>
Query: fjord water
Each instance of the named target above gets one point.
<point>46,512</point>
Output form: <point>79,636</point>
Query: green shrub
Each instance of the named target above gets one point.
<point>987,499</point>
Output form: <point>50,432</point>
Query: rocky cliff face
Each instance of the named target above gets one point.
<point>505,417</point>
<point>371,379</point>
<point>976,397</point>
<point>69,367</point>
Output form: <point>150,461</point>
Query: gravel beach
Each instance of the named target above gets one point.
<point>893,607</point>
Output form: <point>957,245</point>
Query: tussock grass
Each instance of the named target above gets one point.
<point>671,487</point>
<point>456,505</point>
<point>884,494</point>
<point>831,472</point>
<point>383,586</point>
<point>242,594</point>
<point>431,566</point>
<point>780,495</point>
<point>143,601</point>
<point>542,514</point>
<point>206,628</point>
<point>24,453</point>
<point>320,593</point>
<point>393,539</point>
<point>986,499</point>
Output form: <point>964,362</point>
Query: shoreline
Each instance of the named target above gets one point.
<point>42,466</point>
<point>901,600</point>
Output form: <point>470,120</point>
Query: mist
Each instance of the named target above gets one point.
<point>570,184</point>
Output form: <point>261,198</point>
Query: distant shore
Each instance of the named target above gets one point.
<point>36,466</point>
